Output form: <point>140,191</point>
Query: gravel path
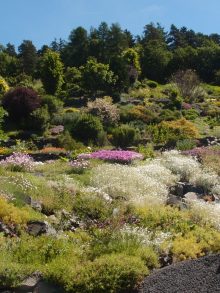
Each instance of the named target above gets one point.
<point>193,276</point>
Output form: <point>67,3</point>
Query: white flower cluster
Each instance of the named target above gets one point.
<point>206,180</point>
<point>145,236</point>
<point>155,170</point>
<point>209,213</point>
<point>19,181</point>
<point>130,183</point>
<point>97,191</point>
<point>185,167</point>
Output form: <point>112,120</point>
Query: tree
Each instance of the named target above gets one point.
<point>51,72</point>
<point>98,42</point>
<point>155,60</point>
<point>97,77</point>
<point>28,57</point>
<point>3,86</point>
<point>117,41</point>
<point>20,103</point>
<point>131,58</point>
<point>75,53</point>
<point>155,54</point>
<point>10,50</point>
<point>182,59</point>
<point>8,65</point>
<point>73,81</point>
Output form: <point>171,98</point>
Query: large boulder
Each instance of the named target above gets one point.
<point>37,228</point>
<point>193,276</point>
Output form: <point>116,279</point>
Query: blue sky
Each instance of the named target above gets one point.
<point>43,20</point>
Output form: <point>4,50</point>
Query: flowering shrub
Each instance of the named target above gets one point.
<point>129,183</point>
<point>158,172</point>
<point>205,179</point>
<point>105,109</point>
<point>206,213</point>
<point>79,165</point>
<point>181,165</point>
<point>18,162</point>
<point>113,156</point>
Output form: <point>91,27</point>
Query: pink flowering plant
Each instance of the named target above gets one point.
<point>18,162</point>
<point>202,151</point>
<point>116,156</point>
<point>79,165</point>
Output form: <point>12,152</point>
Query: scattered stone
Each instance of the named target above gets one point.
<point>37,228</point>
<point>68,221</point>
<point>173,200</point>
<point>165,260</point>
<point>7,231</point>
<point>36,205</point>
<point>29,283</point>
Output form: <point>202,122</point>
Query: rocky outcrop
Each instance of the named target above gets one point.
<point>194,276</point>
<point>37,228</point>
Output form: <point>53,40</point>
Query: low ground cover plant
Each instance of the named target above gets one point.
<point>115,156</point>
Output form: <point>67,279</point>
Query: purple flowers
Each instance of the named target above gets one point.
<point>79,165</point>
<point>18,162</point>
<point>118,156</point>
<point>202,151</point>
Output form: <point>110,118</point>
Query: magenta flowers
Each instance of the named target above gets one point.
<point>118,156</point>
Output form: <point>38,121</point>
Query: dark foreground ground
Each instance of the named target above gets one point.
<point>194,276</point>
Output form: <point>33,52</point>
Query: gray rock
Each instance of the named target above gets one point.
<point>173,200</point>
<point>30,283</point>
<point>182,188</point>
<point>36,205</point>
<point>37,228</point>
<point>190,196</point>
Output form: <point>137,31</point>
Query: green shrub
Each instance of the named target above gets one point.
<point>66,141</point>
<point>107,274</point>
<point>124,136</point>
<point>39,119</point>
<point>147,151</point>
<point>54,105</point>
<point>91,207</point>
<point>87,128</point>
<point>115,241</point>
<point>172,131</point>
<point>185,144</point>
<point>12,274</point>
<point>190,114</point>
<point>152,84</point>
<point>68,120</point>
